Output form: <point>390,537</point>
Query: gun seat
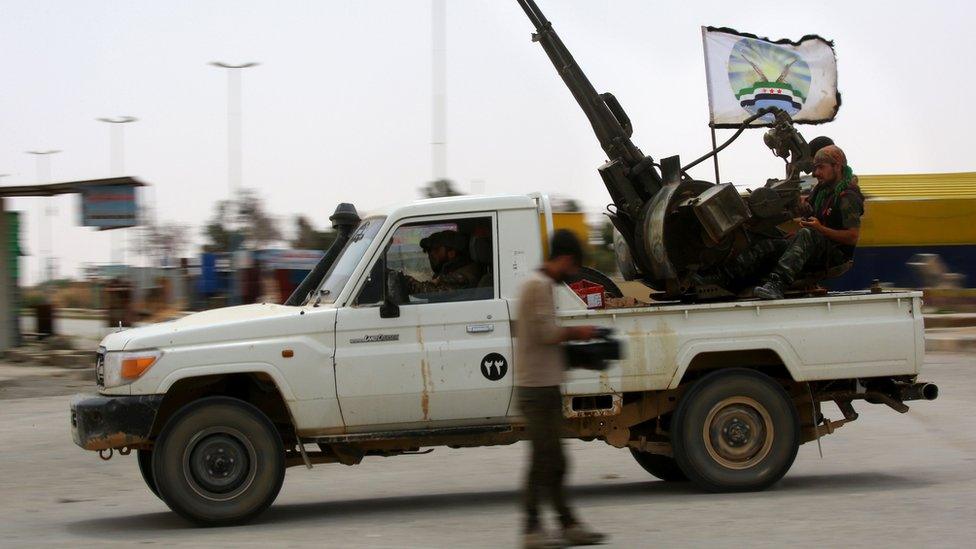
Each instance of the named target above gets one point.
<point>809,280</point>
<point>824,274</point>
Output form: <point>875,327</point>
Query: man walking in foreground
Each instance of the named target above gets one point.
<point>540,364</point>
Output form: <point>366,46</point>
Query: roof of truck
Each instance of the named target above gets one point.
<point>458,204</point>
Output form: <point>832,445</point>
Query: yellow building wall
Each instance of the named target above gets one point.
<point>573,221</point>
<point>919,185</point>
<point>920,209</point>
<point>918,221</point>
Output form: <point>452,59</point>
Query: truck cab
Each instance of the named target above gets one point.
<point>444,355</point>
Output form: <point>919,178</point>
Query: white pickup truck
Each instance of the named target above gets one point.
<point>217,404</point>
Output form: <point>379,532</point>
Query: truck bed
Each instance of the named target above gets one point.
<point>837,336</point>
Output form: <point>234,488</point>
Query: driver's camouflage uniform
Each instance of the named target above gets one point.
<point>455,275</point>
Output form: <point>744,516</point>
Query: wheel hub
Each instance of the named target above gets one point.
<point>738,432</point>
<point>219,463</point>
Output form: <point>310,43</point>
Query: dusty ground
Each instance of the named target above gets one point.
<point>888,480</point>
<point>21,381</point>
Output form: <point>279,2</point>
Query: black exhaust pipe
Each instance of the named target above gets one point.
<point>919,391</point>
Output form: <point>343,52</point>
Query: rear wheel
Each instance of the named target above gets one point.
<point>219,461</point>
<point>734,431</point>
<point>144,457</point>
<point>662,467</point>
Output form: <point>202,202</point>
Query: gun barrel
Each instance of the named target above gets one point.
<point>610,124</point>
<point>581,88</point>
<point>534,13</point>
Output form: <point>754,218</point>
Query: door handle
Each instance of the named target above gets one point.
<point>480,328</point>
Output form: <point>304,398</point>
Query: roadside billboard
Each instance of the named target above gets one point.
<point>109,206</point>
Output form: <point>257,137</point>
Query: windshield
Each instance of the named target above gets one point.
<point>347,261</point>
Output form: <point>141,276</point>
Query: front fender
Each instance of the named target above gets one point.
<point>233,368</point>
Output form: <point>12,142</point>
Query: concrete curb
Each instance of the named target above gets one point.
<point>949,343</point>
<point>31,356</point>
<point>954,320</point>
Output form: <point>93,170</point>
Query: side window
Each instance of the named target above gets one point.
<point>372,291</point>
<point>435,262</point>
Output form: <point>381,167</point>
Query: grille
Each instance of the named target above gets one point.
<point>100,367</point>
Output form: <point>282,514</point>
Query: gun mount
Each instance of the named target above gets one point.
<point>671,226</point>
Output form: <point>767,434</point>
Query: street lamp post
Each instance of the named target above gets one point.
<point>43,165</point>
<point>117,168</point>
<point>234,152</point>
<point>438,126</point>
<point>117,143</point>
<point>234,125</point>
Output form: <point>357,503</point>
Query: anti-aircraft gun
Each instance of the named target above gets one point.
<point>672,225</point>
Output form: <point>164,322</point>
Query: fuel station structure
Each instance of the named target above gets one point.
<point>105,204</point>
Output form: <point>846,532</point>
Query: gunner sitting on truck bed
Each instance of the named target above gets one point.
<point>828,236</point>
<point>826,239</point>
<point>452,266</point>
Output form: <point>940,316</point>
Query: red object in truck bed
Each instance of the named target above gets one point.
<point>591,293</point>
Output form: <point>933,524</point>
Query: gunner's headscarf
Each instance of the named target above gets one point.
<point>832,154</point>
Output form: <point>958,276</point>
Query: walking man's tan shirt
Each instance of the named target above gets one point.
<point>539,359</point>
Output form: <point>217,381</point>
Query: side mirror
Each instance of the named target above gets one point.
<point>389,309</point>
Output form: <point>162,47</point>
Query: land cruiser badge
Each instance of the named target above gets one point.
<point>375,338</point>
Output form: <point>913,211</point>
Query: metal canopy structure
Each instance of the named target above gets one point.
<point>68,187</point>
<point>9,306</point>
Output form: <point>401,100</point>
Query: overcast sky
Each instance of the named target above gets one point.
<point>340,107</point>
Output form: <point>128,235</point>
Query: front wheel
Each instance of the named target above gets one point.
<point>219,461</point>
<point>144,457</point>
<point>735,430</point>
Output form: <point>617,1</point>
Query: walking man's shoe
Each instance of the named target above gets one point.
<point>540,539</point>
<point>772,289</point>
<point>577,534</point>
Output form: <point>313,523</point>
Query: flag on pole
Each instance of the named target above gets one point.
<point>746,73</point>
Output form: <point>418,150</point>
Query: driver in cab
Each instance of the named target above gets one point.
<point>452,267</point>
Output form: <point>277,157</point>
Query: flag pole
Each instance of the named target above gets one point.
<point>715,156</point>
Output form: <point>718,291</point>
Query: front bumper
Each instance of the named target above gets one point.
<point>100,422</point>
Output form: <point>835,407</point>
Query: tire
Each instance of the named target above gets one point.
<point>144,457</point>
<point>662,467</point>
<point>735,430</point>
<point>219,461</point>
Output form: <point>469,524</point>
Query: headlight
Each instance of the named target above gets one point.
<point>125,367</point>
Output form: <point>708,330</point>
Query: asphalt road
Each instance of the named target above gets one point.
<point>887,480</point>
